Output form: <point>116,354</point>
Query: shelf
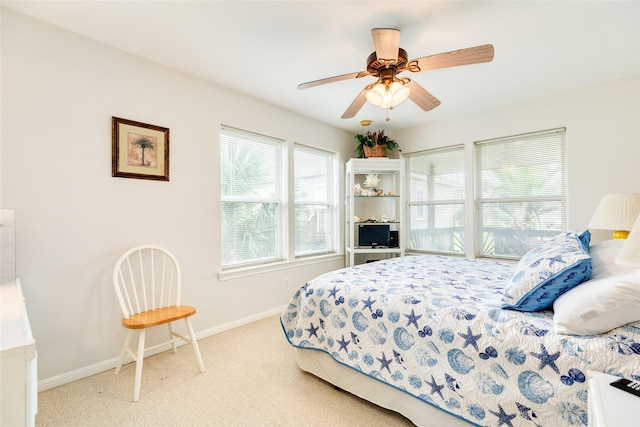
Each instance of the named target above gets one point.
<point>375,250</point>
<point>378,165</point>
<point>374,223</point>
<point>358,196</point>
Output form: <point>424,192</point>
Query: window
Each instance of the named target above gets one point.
<point>435,207</point>
<point>256,182</point>
<point>521,192</point>
<point>313,201</point>
<point>251,200</point>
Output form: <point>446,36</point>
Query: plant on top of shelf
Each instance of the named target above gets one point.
<point>375,144</point>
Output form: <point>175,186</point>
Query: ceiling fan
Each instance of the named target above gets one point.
<point>389,60</point>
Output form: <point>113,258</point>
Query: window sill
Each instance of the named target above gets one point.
<point>250,271</point>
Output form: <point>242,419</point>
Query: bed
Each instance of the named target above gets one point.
<point>453,341</point>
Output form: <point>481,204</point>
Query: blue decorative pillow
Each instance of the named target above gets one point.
<point>548,271</point>
<point>585,239</point>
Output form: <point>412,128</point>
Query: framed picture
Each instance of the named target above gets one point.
<point>139,150</point>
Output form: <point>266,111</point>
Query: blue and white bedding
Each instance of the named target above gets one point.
<point>433,327</point>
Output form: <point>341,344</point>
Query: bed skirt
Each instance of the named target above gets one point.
<point>418,412</point>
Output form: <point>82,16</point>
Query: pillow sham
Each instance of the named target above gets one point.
<point>548,271</point>
<point>600,304</point>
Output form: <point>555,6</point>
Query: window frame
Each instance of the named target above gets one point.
<point>480,201</point>
<point>277,199</point>
<point>285,209</point>
<point>330,203</point>
<point>473,202</point>
<point>427,205</point>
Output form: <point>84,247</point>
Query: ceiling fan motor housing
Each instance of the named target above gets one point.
<point>374,65</point>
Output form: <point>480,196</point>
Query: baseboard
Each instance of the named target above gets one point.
<point>106,365</point>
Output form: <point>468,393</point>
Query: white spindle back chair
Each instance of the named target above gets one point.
<point>148,282</point>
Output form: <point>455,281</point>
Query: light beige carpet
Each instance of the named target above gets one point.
<point>251,379</point>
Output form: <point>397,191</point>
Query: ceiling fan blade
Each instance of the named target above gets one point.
<point>470,55</point>
<point>356,105</point>
<point>421,96</point>
<point>387,43</point>
<point>333,79</point>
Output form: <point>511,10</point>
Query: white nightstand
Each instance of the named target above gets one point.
<point>609,406</point>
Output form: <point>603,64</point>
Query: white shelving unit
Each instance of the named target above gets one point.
<point>388,204</point>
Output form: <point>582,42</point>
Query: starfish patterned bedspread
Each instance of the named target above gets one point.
<point>432,327</point>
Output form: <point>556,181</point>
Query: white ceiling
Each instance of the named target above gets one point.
<point>266,48</point>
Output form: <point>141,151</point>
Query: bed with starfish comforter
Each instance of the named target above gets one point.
<point>435,328</point>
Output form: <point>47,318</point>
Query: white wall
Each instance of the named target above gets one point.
<point>59,92</point>
<point>603,139</point>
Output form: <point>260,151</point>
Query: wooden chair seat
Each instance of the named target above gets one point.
<point>159,316</point>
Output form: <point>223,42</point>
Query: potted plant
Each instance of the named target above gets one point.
<point>375,144</point>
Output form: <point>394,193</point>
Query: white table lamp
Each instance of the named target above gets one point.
<point>616,212</point>
<point>630,253</point>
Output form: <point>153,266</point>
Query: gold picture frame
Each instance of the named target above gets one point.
<point>139,150</point>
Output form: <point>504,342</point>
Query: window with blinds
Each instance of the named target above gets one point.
<point>259,224</point>
<point>436,196</point>
<point>521,191</point>
<point>251,199</point>
<point>313,201</point>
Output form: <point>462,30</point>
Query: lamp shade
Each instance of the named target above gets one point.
<point>630,253</point>
<point>616,212</point>
<point>380,96</point>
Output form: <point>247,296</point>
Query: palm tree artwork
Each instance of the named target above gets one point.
<point>139,146</point>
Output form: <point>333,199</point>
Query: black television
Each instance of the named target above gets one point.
<point>373,235</point>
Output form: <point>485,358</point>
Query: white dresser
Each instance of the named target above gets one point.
<point>18,365</point>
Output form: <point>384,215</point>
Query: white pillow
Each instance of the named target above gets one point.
<point>603,255</point>
<point>605,302</point>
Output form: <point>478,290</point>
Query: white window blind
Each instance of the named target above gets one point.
<point>521,191</point>
<point>313,201</point>
<point>435,207</point>
<point>251,201</point>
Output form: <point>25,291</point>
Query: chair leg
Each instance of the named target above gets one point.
<point>139,360</point>
<point>127,341</point>
<point>174,347</point>
<point>194,343</point>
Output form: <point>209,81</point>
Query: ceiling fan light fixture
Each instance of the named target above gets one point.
<point>384,96</point>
